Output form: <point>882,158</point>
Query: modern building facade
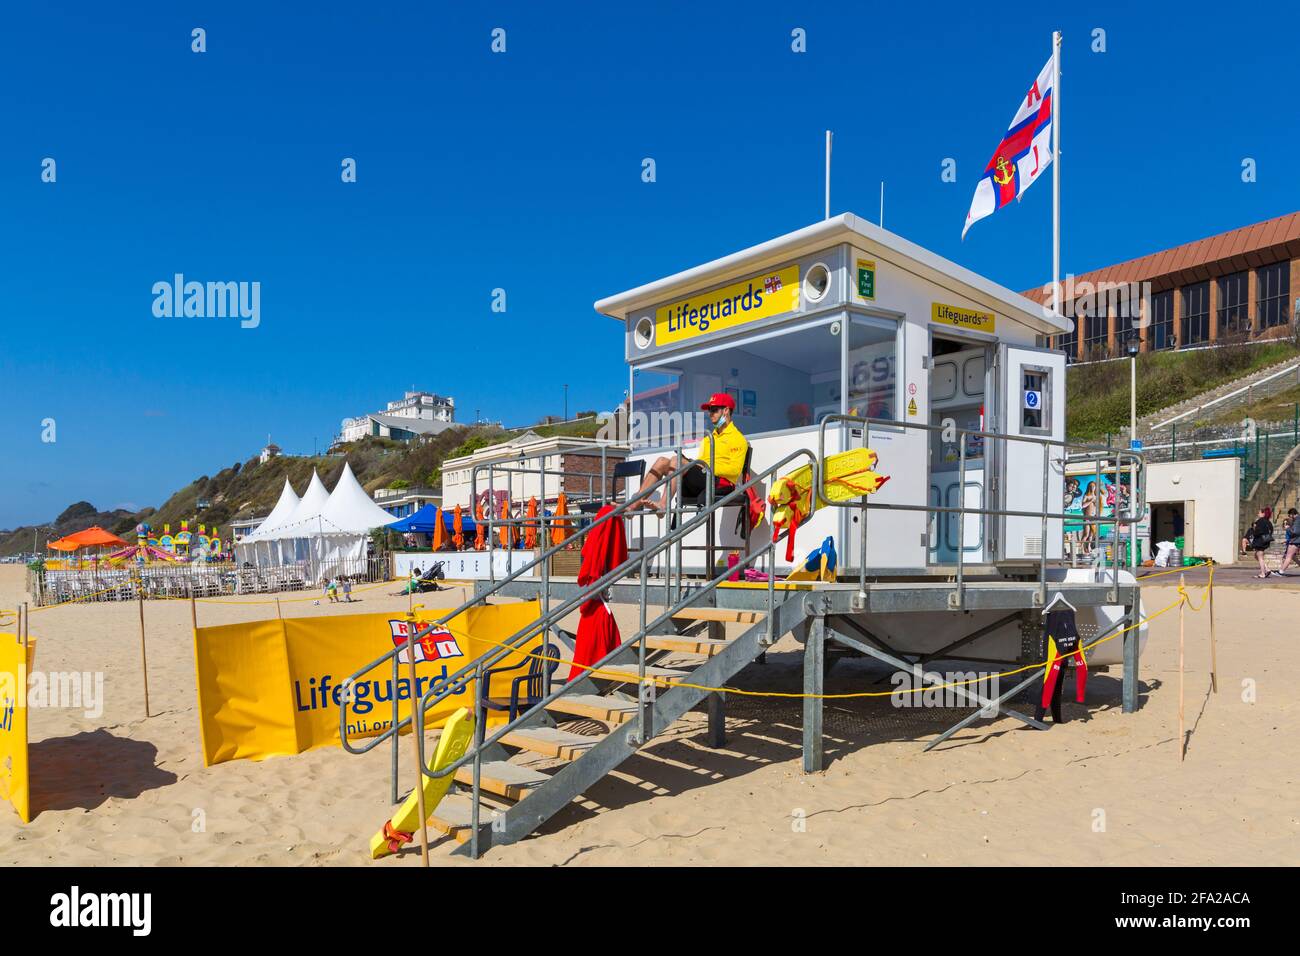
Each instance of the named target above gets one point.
<point>1242,285</point>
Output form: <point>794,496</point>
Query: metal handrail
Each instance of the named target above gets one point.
<point>1095,453</point>
<point>441,688</point>
<point>548,617</point>
<point>465,606</point>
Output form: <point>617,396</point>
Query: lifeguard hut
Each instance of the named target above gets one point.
<point>835,337</point>
<point>845,319</point>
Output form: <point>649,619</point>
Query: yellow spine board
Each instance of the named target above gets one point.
<point>456,736</point>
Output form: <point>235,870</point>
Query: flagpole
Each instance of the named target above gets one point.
<point>1056,172</point>
<point>828,174</point>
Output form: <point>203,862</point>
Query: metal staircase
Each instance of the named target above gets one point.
<point>497,799</point>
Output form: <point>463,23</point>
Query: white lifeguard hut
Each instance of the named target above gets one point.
<point>833,338</point>
<point>843,318</point>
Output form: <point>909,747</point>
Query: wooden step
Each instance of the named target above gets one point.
<point>632,672</point>
<point>549,742</point>
<point>726,615</point>
<point>453,818</point>
<point>686,645</point>
<point>609,710</point>
<point>503,779</point>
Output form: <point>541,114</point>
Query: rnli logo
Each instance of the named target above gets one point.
<point>438,644</point>
<point>1005,172</point>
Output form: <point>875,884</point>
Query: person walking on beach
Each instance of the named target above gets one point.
<point>729,448</point>
<point>332,590</point>
<point>1292,528</point>
<point>1260,537</point>
<point>347,590</point>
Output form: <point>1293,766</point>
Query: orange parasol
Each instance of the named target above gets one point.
<point>479,527</point>
<point>458,528</point>
<point>504,533</point>
<point>530,532</point>
<point>439,534</point>
<point>89,538</point>
<point>560,531</point>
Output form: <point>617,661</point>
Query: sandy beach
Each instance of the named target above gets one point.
<point>1103,788</point>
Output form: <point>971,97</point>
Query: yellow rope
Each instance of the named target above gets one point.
<point>1183,598</point>
<point>667,683</point>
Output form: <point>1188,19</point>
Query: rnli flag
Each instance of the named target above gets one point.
<point>1023,154</point>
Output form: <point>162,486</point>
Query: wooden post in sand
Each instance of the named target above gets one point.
<point>1181,607</point>
<point>278,612</point>
<point>1214,668</point>
<point>194,610</point>
<point>144,657</point>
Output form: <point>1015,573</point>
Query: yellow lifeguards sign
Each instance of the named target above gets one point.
<point>955,315</point>
<point>766,294</point>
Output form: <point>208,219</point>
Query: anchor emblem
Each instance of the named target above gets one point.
<point>1005,169</point>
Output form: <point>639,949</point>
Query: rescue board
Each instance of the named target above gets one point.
<point>397,830</point>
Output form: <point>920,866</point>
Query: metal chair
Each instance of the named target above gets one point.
<point>625,470</point>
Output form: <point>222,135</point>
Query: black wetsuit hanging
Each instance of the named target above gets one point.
<point>1063,646</point>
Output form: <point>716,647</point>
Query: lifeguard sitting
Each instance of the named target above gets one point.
<point>729,451</point>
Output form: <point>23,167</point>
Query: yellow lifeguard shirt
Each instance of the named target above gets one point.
<point>729,453</point>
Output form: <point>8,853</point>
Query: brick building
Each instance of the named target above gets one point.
<point>1241,285</point>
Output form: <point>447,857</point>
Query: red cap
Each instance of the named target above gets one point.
<point>719,400</point>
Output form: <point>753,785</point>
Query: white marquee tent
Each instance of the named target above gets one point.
<point>323,532</point>
<point>257,544</point>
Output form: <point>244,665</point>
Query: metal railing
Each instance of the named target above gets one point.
<point>456,682</point>
<point>674,601</point>
<point>675,509</point>
<point>1090,453</point>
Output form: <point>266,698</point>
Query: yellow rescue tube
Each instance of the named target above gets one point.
<point>847,475</point>
<point>456,735</point>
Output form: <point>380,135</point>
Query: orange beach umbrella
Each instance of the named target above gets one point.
<point>560,531</point>
<point>530,533</point>
<point>94,536</point>
<point>479,527</point>
<point>458,528</point>
<point>439,535</point>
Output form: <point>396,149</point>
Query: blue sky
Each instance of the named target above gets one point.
<point>522,171</point>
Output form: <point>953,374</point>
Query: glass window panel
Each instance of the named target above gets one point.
<point>873,370</point>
